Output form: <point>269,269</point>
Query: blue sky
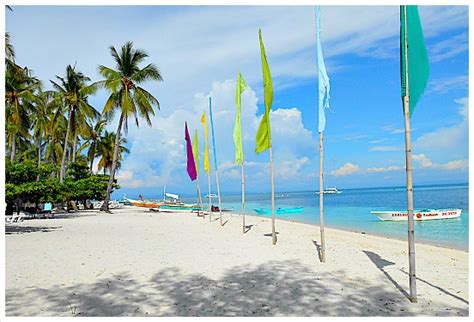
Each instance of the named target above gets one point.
<point>199,51</point>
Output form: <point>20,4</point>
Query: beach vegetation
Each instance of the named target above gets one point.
<point>55,137</point>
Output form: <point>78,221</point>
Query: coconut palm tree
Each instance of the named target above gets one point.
<point>73,92</point>
<point>9,50</point>
<point>127,96</point>
<point>41,120</point>
<point>20,89</point>
<point>105,150</point>
<point>93,138</point>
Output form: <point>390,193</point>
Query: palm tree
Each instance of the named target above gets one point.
<point>9,50</point>
<point>74,92</point>
<point>127,96</point>
<point>41,120</point>
<point>20,89</point>
<point>105,150</point>
<point>54,144</point>
<point>93,138</point>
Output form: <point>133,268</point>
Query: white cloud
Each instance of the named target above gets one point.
<point>158,154</point>
<point>456,165</point>
<point>423,160</point>
<point>426,162</point>
<point>194,46</point>
<point>385,148</point>
<point>446,141</point>
<point>448,48</point>
<point>446,84</point>
<point>387,169</point>
<point>290,169</point>
<point>345,170</point>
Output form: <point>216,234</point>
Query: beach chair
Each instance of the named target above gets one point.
<point>48,207</point>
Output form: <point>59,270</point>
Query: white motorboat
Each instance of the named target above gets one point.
<point>421,214</point>
<point>331,191</point>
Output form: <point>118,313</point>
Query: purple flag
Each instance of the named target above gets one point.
<point>189,150</point>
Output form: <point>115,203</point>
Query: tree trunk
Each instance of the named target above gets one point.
<point>39,152</point>
<point>63,160</point>
<point>92,157</point>
<point>73,150</point>
<point>12,154</point>
<point>105,206</point>
<point>39,157</point>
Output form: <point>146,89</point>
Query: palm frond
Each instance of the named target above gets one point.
<point>149,72</point>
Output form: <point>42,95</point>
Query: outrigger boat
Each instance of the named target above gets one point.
<point>279,211</point>
<point>421,214</point>
<point>143,203</point>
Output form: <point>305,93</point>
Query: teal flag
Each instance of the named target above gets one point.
<point>323,78</point>
<point>415,67</point>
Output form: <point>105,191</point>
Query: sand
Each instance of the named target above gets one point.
<point>138,263</point>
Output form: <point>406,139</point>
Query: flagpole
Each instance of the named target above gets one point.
<point>209,195</point>
<point>243,198</point>
<point>199,194</point>
<point>321,199</point>
<point>411,226</point>
<point>274,237</point>
<point>215,161</point>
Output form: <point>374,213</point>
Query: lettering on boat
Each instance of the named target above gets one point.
<point>398,215</point>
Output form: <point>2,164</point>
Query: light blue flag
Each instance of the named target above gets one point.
<point>323,79</point>
<point>212,129</point>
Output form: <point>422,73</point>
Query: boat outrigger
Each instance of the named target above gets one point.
<point>419,215</point>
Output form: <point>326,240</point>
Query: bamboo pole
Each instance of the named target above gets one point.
<point>274,237</point>
<point>321,199</point>
<point>243,198</point>
<point>199,193</point>
<point>209,195</point>
<point>411,226</point>
<point>219,197</point>
<point>215,160</point>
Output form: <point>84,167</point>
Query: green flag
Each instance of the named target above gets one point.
<point>239,153</point>
<point>413,56</point>
<point>264,135</point>
<point>196,151</point>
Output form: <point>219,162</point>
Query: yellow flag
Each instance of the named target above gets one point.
<point>196,151</point>
<point>264,135</point>
<point>206,150</point>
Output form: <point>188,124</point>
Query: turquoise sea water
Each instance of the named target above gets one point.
<point>350,210</point>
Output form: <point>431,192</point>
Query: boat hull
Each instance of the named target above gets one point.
<point>418,215</point>
<point>143,204</point>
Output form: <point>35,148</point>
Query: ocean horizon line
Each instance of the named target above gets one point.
<point>236,193</point>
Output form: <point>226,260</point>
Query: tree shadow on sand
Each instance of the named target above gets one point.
<point>286,288</point>
<point>20,229</point>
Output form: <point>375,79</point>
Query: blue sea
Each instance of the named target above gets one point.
<point>350,210</point>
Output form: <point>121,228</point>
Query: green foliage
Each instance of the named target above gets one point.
<point>46,169</point>
<point>93,187</point>
<point>20,172</point>
<point>78,170</point>
<point>26,182</point>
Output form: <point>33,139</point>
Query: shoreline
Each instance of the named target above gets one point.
<point>421,242</point>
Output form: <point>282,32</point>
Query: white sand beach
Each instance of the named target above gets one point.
<point>140,263</point>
